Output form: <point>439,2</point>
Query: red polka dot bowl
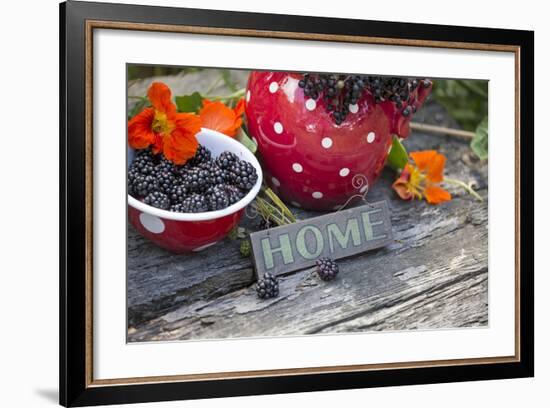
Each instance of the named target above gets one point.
<point>309,160</point>
<point>186,232</point>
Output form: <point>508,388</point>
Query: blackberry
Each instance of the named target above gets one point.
<point>197,179</point>
<point>158,200</point>
<point>165,179</point>
<point>142,166</point>
<point>327,269</point>
<point>133,174</point>
<point>202,184</point>
<point>221,196</point>
<point>216,174</point>
<point>142,185</point>
<point>166,166</point>
<point>144,162</point>
<point>217,198</point>
<point>181,171</point>
<point>267,287</point>
<point>395,89</point>
<point>243,175</point>
<point>202,155</point>
<point>177,208</point>
<point>226,159</point>
<point>177,193</point>
<point>339,91</point>
<point>194,203</point>
<point>233,193</point>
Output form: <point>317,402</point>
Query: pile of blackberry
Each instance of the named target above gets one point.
<point>339,91</point>
<point>202,184</point>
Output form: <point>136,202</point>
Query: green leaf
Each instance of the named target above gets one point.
<point>464,99</point>
<point>246,141</point>
<point>480,142</point>
<point>189,103</point>
<point>398,157</point>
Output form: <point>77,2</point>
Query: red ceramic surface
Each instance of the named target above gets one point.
<point>185,232</point>
<point>307,159</point>
<point>182,236</point>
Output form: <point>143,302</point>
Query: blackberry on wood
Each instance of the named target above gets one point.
<point>158,200</point>
<point>327,269</point>
<point>267,287</point>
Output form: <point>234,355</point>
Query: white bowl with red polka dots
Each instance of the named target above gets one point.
<point>193,232</point>
<point>309,160</point>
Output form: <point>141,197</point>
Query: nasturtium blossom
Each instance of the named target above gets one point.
<point>217,116</point>
<point>421,178</point>
<point>163,128</point>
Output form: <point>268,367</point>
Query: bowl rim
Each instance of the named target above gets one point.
<point>209,215</point>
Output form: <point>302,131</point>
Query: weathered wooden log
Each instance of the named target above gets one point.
<point>433,276</point>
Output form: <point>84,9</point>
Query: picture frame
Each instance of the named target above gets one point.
<point>78,385</point>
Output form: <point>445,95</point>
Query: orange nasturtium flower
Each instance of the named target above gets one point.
<point>217,116</point>
<point>421,178</point>
<point>163,128</point>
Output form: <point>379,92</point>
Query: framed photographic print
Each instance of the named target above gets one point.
<point>255,203</point>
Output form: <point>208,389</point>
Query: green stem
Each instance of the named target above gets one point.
<point>214,84</point>
<point>465,186</point>
<point>270,207</point>
<point>234,95</point>
<point>282,207</point>
<point>270,212</point>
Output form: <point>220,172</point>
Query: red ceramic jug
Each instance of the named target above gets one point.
<point>308,159</point>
